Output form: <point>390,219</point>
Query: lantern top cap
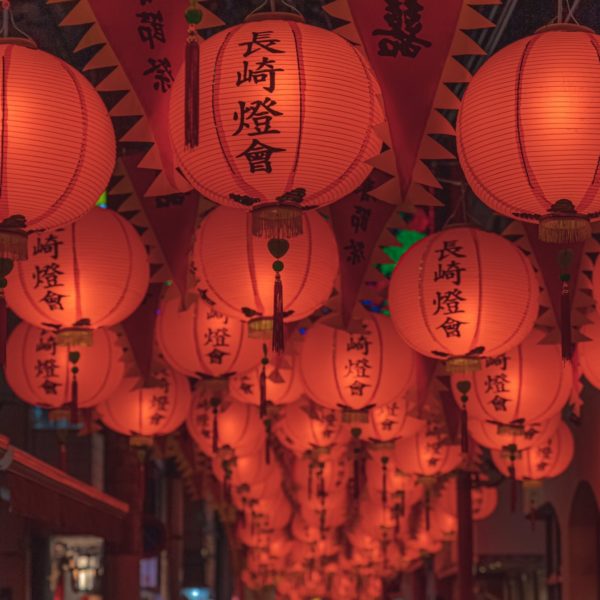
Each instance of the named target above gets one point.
<point>568,27</point>
<point>274,10</point>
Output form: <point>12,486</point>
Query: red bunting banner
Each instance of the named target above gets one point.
<point>408,43</point>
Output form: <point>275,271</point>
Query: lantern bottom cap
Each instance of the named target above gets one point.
<point>141,441</point>
<point>277,221</point>
<point>75,336</point>
<point>463,364</point>
<point>564,229</point>
<point>260,328</point>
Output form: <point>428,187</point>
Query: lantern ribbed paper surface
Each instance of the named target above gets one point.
<point>58,140</point>
<point>484,500</point>
<point>530,382</point>
<point>529,124</point>
<point>236,269</point>
<point>286,116</point>
<point>38,370</point>
<point>360,369</point>
<point>96,269</point>
<point>202,341</point>
<point>147,411</point>
<point>463,291</point>
<point>550,457</point>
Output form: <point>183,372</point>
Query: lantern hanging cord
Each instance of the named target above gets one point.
<point>8,22</point>
<point>272,7</point>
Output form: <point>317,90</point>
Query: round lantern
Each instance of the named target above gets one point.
<point>519,435</point>
<point>236,270</point>
<point>427,454</point>
<point>158,409</point>
<point>390,422</point>
<point>270,513</point>
<point>245,493</point>
<point>283,383</point>
<point>59,145</point>
<point>201,341</point>
<point>484,500</point>
<point>92,273</point>
<point>463,293</point>
<point>550,457</point>
<point>530,382</point>
<point>286,120</point>
<point>386,483</point>
<point>358,369</point>
<point>588,352</point>
<point>42,373</point>
<point>305,426</point>
<point>318,477</point>
<point>528,129</point>
<point>227,425</point>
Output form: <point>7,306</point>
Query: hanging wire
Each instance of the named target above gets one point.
<point>559,11</point>
<point>272,7</point>
<point>571,12</point>
<point>8,21</point>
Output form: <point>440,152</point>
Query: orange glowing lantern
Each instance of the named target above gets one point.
<point>449,298</point>
<point>273,137</point>
<point>158,409</point>
<point>236,269</point>
<point>92,273</point>
<point>519,435</point>
<point>225,426</point>
<point>550,457</point>
<point>317,477</point>
<point>390,422</point>
<point>304,426</point>
<point>427,454</point>
<point>59,145</point>
<point>528,128</point>
<point>484,500</point>
<point>283,383</point>
<point>247,492</point>
<point>40,371</point>
<point>530,382</point>
<point>270,513</point>
<point>357,370</point>
<point>201,341</point>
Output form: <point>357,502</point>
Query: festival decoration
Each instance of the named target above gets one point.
<point>146,411</point>
<point>355,370</point>
<point>45,185</point>
<point>43,373</point>
<point>201,342</point>
<point>484,500</point>
<point>520,139</point>
<point>92,273</point>
<point>257,141</point>
<point>587,351</point>
<point>236,270</point>
<point>449,299</point>
<point>530,382</point>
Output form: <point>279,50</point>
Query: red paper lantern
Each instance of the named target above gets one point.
<point>246,493</point>
<point>158,409</point>
<point>270,513</point>
<point>386,481</point>
<point>283,383</point>
<point>427,454</point>
<point>317,477</point>
<point>530,382</point>
<point>588,352</point>
<point>449,296</point>
<point>201,341</point>
<point>236,269</point>
<point>550,457</point>
<point>59,145</point>
<point>484,500</point>
<point>304,426</point>
<point>287,114</point>
<point>228,425</point>
<point>519,435</point>
<point>92,273</point>
<point>528,129</point>
<point>356,370</point>
<point>39,371</point>
<point>390,422</point>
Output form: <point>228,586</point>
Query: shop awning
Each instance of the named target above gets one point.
<point>66,505</point>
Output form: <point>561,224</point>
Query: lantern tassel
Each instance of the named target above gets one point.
<point>464,430</point>
<point>278,337</point>
<point>384,461</point>
<point>356,474</point>
<point>74,359</point>
<point>565,321</point>
<point>193,16</point>
<point>310,480</point>
<point>263,384</point>
<point>215,432</point>
<point>427,509</point>
<point>268,441</point>
<point>513,487</point>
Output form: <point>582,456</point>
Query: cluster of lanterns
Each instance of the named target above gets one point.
<point>337,480</point>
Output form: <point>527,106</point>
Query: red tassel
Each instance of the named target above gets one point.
<point>356,473</point>
<point>321,484</point>
<point>268,441</point>
<point>215,436</point>
<point>311,466</point>
<point>263,383</point>
<point>384,462</point>
<point>74,359</point>
<point>427,509</point>
<point>192,89</point>
<point>464,430</point>
<point>513,487</point>
<point>278,338</point>
<point>565,321</point>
